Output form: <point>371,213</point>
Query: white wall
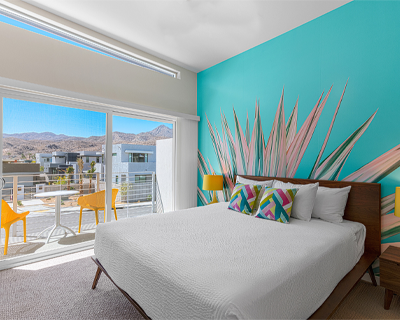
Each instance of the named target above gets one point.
<point>164,172</point>
<point>30,57</point>
<point>186,166</point>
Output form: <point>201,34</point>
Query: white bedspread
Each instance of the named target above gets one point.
<point>214,263</point>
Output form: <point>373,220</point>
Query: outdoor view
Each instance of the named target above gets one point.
<point>54,167</point>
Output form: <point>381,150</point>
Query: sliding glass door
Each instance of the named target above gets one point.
<point>142,165</point>
<point>67,169</point>
<point>53,166</point>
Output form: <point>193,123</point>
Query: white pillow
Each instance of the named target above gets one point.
<point>304,200</point>
<point>330,203</point>
<point>267,183</point>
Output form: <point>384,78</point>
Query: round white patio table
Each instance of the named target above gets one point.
<point>57,224</point>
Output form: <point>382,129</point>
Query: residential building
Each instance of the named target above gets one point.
<point>43,158</point>
<point>21,167</point>
<point>88,157</point>
<point>28,176</point>
<point>131,161</point>
<point>58,161</point>
<point>140,159</point>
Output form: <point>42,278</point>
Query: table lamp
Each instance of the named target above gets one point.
<point>397,202</point>
<point>213,183</point>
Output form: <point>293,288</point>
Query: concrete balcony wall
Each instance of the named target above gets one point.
<point>15,167</point>
<point>164,172</point>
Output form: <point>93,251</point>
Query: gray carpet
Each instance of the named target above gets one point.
<point>63,291</point>
<point>366,302</point>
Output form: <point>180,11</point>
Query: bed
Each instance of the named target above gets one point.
<point>214,263</point>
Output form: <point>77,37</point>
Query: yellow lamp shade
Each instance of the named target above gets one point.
<point>397,202</point>
<point>212,182</point>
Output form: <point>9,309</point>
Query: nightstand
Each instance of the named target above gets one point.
<point>390,273</point>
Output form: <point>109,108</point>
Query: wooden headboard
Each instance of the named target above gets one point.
<point>363,205</point>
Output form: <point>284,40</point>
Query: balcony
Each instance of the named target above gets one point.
<point>135,197</point>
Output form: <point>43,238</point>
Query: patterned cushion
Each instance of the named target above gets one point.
<point>244,197</point>
<point>276,204</point>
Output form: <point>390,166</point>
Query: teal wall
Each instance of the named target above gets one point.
<point>358,42</point>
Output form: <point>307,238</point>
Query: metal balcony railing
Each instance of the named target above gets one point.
<point>136,196</point>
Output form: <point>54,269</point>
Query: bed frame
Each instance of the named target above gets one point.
<point>363,205</point>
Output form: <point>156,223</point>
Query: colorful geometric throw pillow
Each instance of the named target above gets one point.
<point>244,197</point>
<point>276,204</point>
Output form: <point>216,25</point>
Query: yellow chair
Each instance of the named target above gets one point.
<point>96,201</point>
<point>8,217</point>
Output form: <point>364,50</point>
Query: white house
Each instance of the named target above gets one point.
<point>132,161</point>
<point>59,161</point>
<point>43,158</point>
<point>88,157</point>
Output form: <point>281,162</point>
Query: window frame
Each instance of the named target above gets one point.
<point>47,96</point>
<point>131,157</point>
<point>92,43</point>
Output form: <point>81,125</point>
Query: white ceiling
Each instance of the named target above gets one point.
<point>194,34</point>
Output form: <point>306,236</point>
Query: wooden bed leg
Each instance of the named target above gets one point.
<point>388,298</point>
<point>96,277</point>
<point>372,275</point>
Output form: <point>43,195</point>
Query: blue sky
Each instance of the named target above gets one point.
<point>47,34</point>
<point>24,116</point>
<point>131,125</point>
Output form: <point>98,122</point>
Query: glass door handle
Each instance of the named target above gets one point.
<point>2,183</point>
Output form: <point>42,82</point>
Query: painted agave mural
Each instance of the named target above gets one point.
<point>242,152</point>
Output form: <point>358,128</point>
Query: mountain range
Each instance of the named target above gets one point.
<point>25,145</point>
